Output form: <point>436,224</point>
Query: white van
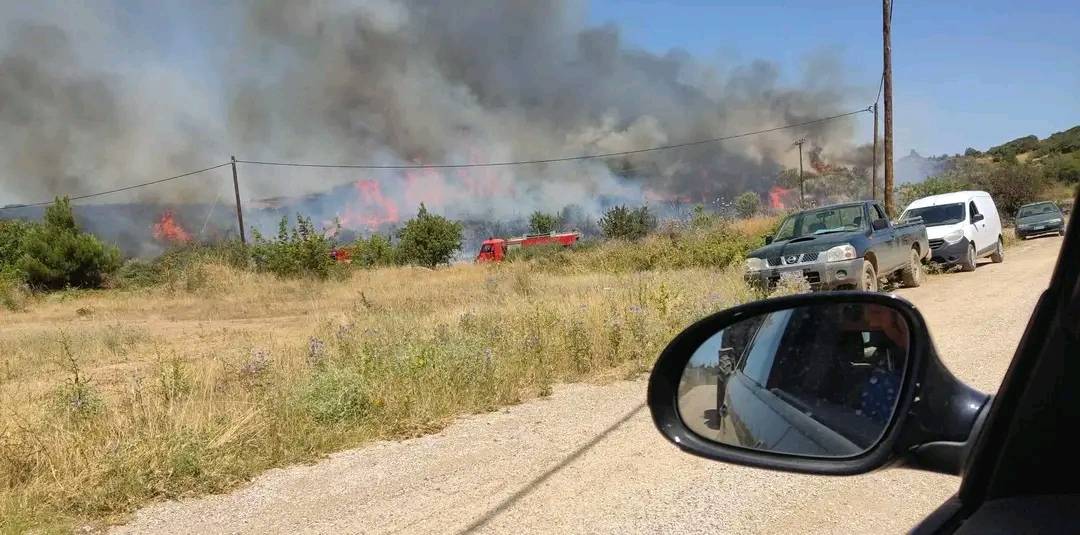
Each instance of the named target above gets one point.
<point>962,227</point>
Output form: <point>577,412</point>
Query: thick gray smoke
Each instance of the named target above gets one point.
<point>391,82</point>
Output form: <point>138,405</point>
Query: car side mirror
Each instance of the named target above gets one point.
<point>840,383</point>
<point>977,217</point>
<point>768,239</point>
<point>880,224</point>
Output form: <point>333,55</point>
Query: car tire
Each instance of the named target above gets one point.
<point>998,255</point>
<point>868,282</point>
<point>969,263</point>
<point>911,276</point>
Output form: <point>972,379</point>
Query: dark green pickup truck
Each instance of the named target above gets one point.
<point>843,246</point>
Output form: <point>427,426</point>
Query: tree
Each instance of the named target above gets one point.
<point>747,204</point>
<point>300,251</point>
<point>625,223</point>
<point>541,223</point>
<point>373,252</point>
<point>1012,186</point>
<point>12,234</point>
<point>972,152</point>
<point>429,240</point>
<point>56,254</point>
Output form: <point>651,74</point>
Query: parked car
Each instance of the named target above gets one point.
<point>962,227</point>
<point>870,392</point>
<point>842,246</point>
<point>1039,218</point>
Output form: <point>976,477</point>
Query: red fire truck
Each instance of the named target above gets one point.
<point>496,249</point>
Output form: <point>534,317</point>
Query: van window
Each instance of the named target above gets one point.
<point>972,211</point>
<point>942,214</point>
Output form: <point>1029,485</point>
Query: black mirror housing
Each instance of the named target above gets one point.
<point>977,217</point>
<point>932,427</point>
<point>880,224</point>
<point>768,239</point>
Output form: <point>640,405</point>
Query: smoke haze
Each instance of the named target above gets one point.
<point>86,105</point>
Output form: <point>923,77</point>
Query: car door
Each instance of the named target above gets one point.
<point>882,241</point>
<point>979,228</point>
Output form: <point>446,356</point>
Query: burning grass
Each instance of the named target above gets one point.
<point>111,398</point>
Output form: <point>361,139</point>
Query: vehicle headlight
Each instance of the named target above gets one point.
<point>1055,221</point>
<point>755,264</point>
<point>840,252</point>
<point>954,236</point>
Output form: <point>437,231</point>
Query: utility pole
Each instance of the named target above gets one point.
<point>802,196</point>
<point>886,16</point>
<point>239,211</point>
<point>873,173</point>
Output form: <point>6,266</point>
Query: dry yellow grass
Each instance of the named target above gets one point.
<point>110,399</point>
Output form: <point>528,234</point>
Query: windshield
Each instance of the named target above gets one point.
<point>1038,209</point>
<point>823,221</point>
<point>932,216</point>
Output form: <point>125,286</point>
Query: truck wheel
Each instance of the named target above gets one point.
<point>999,254</point>
<point>911,276</point>
<point>969,263</point>
<point>869,281</point>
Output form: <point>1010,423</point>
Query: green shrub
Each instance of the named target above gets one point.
<point>429,240</point>
<point>747,204</point>
<point>302,251</point>
<point>335,395</point>
<point>541,223</point>
<point>12,234</point>
<point>375,251</point>
<point>625,223</point>
<point>934,185</point>
<point>56,254</point>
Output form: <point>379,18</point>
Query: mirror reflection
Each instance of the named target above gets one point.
<point>817,380</point>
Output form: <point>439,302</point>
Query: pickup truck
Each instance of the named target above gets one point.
<point>843,246</point>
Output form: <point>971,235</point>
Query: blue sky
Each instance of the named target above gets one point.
<point>965,73</point>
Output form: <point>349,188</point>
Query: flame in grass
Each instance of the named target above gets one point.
<point>168,229</point>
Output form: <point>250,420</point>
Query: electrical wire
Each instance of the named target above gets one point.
<point>553,160</point>
<point>117,190</point>
<point>451,166</point>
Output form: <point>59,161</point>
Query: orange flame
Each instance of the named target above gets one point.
<point>167,229</point>
<point>781,198</point>
<point>370,208</point>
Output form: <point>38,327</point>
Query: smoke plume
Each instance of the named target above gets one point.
<point>85,107</point>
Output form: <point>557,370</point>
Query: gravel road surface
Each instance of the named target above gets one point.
<point>587,459</point>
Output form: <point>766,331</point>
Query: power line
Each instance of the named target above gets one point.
<point>554,160</point>
<point>117,190</point>
<point>451,166</point>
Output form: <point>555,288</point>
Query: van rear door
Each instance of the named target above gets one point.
<point>985,231</point>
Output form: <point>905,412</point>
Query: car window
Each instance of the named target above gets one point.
<point>880,213</point>
<point>972,210</point>
<point>759,360</point>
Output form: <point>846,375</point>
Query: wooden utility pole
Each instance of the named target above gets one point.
<point>886,16</point>
<point>802,197</point>
<point>239,211</point>
<point>873,173</point>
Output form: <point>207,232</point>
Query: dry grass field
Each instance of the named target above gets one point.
<point>112,398</point>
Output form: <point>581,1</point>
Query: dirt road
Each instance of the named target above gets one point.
<point>587,459</point>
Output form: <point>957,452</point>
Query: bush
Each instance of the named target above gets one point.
<point>1012,186</point>
<point>541,223</point>
<point>625,223</point>
<point>376,251</point>
<point>12,234</point>
<point>747,204</point>
<point>934,185</point>
<point>56,254</point>
<point>429,240</point>
<point>302,251</point>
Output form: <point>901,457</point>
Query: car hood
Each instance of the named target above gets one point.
<point>805,244</point>
<point>1036,218</point>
